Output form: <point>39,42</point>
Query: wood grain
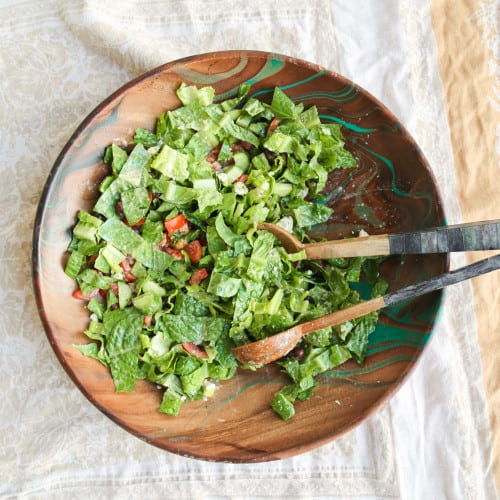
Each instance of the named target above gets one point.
<point>356,247</point>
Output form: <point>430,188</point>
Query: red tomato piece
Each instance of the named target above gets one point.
<point>195,350</point>
<point>177,224</point>
<point>127,270</point>
<point>164,242</point>
<point>176,254</point>
<point>140,222</point>
<point>194,251</point>
<point>273,125</point>
<point>247,146</point>
<point>241,178</point>
<point>237,147</point>
<point>78,294</point>
<point>213,154</point>
<point>198,276</point>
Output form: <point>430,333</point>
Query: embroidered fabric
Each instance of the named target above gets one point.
<point>59,60</point>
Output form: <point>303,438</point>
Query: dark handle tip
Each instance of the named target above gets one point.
<point>458,238</point>
<point>443,280</point>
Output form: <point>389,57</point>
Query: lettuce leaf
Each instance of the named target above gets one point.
<point>170,313</point>
<point>123,346</point>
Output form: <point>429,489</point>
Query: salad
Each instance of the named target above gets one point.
<point>174,270</point>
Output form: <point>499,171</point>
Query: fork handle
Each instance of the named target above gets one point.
<point>457,238</point>
<point>443,280</point>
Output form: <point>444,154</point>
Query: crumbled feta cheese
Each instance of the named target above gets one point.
<point>286,223</point>
<point>222,177</point>
<point>153,150</point>
<point>240,188</point>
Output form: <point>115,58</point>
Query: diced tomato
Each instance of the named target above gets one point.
<point>273,125</point>
<point>176,254</point>
<point>140,222</point>
<point>198,276</point>
<point>177,224</point>
<point>147,320</point>
<point>241,146</point>
<point>78,294</point>
<point>126,265</point>
<point>194,251</point>
<point>241,178</point>
<point>129,277</point>
<point>150,196</point>
<point>237,147</point>
<point>195,350</point>
<point>164,242</point>
<point>213,154</point>
<point>114,288</point>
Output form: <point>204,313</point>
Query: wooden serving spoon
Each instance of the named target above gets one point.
<point>275,347</point>
<point>458,238</point>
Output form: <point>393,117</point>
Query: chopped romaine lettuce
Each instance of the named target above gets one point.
<point>172,263</point>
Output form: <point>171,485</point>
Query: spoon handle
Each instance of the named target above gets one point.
<point>409,292</point>
<point>457,238</point>
<point>443,280</point>
<point>276,346</point>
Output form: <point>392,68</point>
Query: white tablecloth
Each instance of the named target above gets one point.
<point>58,60</point>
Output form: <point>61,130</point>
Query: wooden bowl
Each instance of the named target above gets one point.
<point>392,190</point>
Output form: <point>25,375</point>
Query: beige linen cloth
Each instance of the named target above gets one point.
<point>435,64</point>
